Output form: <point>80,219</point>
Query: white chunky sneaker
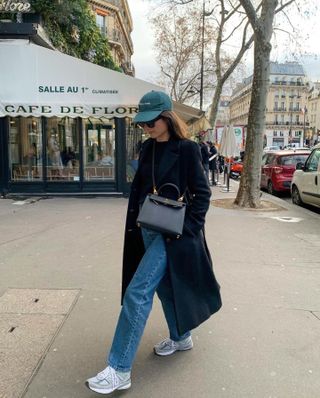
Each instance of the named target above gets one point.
<point>109,380</point>
<point>168,346</point>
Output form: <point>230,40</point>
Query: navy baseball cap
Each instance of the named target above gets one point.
<point>152,105</point>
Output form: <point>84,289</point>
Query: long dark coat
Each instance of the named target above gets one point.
<point>195,290</point>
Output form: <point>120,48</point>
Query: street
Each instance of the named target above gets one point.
<point>60,299</point>
<point>287,198</point>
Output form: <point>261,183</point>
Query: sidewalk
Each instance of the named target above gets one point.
<point>264,343</point>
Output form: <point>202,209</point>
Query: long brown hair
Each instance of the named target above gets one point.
<point>177,127</point>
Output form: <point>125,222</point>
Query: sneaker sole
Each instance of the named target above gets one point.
<point>165,354</point>
<point>104,391</point>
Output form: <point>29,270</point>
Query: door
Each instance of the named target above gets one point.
<point>310,190</point>
<point>266,169</point>
<point>3,154</point>
<point>25,150</point>
<point>99,151</point>
<point>62,163</point>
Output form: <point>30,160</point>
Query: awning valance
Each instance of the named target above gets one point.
<point>36,81</point>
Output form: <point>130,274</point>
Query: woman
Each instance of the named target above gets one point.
<point>179,270</point>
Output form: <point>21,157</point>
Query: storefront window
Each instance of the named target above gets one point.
<point>62,150</point>
<point>98,149</point>
<point>25,149</point>
<point>134,139</point>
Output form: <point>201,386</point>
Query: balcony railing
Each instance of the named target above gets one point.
<point>116,37</point>
<point>291,124</point>
<point>128,68</point>
<point>284,83</point>
<point>279,109</point>
<point>295,109</point>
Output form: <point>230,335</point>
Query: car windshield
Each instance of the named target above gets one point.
<point>292,160</point>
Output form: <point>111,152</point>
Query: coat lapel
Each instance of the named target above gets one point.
<point>146,148</point>
<point>168,160</point>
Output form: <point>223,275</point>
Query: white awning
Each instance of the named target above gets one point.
<point>36,81</point>
<point>187,113</point>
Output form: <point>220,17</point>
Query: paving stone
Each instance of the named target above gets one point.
<point>29,320</point>
<point>37,301</point>
<point>24,340</point>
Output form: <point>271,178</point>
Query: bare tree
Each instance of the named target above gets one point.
<point>224,34</point>
<point>260,14</point>
<point>262,25</point>
<point>228,21</point>
<point>178,45</point>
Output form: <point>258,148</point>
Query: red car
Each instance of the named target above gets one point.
<point>236,168</point>
<point>278,167</point>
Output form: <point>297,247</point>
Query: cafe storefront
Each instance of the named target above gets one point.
<point>65,124</point>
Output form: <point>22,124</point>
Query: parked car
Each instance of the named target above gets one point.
<point>305,186</point>
<point>271,148</point>
<point>278,167</point>
<point>236,168</point>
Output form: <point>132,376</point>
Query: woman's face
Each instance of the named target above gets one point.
<point>159,131</point>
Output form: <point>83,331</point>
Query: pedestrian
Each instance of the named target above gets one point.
<point>178,269</point>
<point>213,162</point>
<point>221,164</point>
<point>205,154</point>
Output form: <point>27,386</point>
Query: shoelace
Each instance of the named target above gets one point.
<point>166,343</point>
<point>108,374</point>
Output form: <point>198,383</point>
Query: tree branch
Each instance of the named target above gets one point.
<point>288,19</point>
<point>234,10</point>
<point>284,6</point>
<point>235,28</point>
<point>236,61</point>
<point>252,16</point>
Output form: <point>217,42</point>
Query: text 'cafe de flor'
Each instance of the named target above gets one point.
<point>66,124</point>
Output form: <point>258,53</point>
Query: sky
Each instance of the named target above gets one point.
<point>147,68</point>
<point>143,41</point>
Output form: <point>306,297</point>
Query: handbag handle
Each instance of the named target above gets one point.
<point>155,191</point>
<point>171,185</point>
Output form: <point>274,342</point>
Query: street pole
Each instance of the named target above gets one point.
<point>304,125</point>
<point>304,128</point>
<point>290,129</point>
<point>202,55</point>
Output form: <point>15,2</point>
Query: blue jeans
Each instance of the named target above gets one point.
<point>152,275</point>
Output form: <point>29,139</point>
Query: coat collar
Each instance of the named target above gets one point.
<point>168,159</point>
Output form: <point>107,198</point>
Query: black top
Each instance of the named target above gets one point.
<point>204,153</point>
<point>146,184</point>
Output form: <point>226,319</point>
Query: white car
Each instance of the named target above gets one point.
<point>305,185</point>
<point>271,148</point>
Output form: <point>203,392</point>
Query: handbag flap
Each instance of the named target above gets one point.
<point>165,201</point>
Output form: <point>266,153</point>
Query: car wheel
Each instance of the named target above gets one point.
<point>270,188</point>
<point>296,198</point>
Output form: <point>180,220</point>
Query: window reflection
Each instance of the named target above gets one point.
<point>98,149</point>
<point>62,150</point>
<point>25,149</point>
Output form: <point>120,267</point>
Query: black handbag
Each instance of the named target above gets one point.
<point>162,214</point>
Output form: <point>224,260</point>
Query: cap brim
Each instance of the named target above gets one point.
<point>146,116</point>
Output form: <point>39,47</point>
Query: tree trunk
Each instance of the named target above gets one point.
<point>215,103</point>
<point>249,189</point>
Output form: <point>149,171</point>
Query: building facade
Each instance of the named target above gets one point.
<point>115,22</point>
<point>287,118</point>
<point>240,103</point>
<point>223,115</point>
<point>313,133</point>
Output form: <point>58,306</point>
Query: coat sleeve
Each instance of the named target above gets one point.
<point>197,184</point>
